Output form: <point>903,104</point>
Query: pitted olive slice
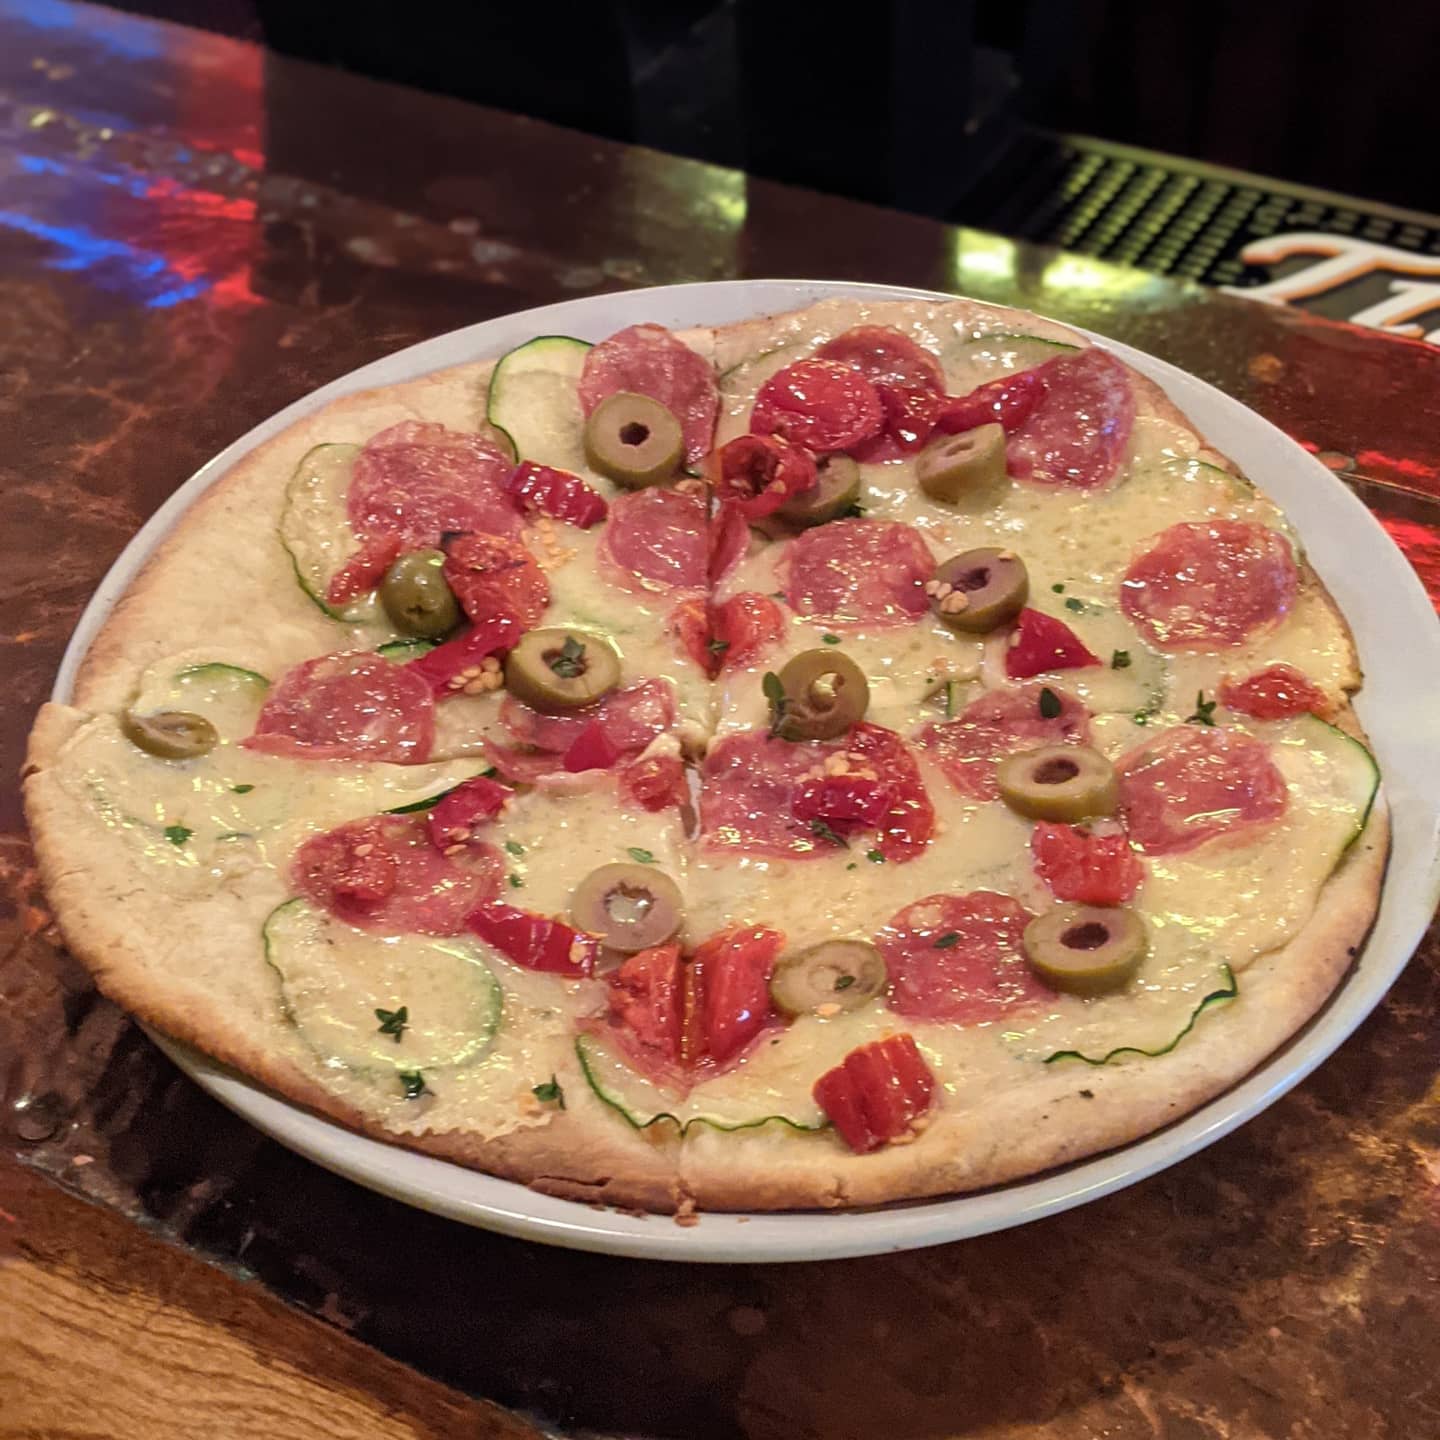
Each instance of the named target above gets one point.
<point>979,590</point>
<point>958,466</point>
<point>827,978</point>
<point>170,734</point>
<point>836,489</point>
<point>630,907</point>
<point>1059,782</point>
<point>555,670</point>
<point>820,694</point>
<point>417,597</point>
<point>1086,950</point>
<point>633,440</point>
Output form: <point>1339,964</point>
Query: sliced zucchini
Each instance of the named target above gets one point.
<point>1353,775</point>
<point>228,696</point>
<point>315,527</point>
<point>638,1102</point>
<point>1227,990</point>
<point>334,981</point>
<point>534,399</point>
<point>974,362</point>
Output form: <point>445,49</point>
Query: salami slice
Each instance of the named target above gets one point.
<point>649,360</point>
<point>1193,783</point>
<point>885,355</point>
<point>958,958</point>
<point>630,718</point>
<point>821,405</point>
<point>383,873</point>
<point>657,540</point>
<point>759,795</point>
<point>1069,425</point>
<point>859,572</point>
<point>493,577</point>
<point>997,724</point>
<point>347,707</point>
<point>419,481</point>
<point>1203,584</point>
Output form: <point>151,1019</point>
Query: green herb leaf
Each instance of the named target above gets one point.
<point>393,1022</point>
<point>569,664</point>
<point>1120,660</point>
<point>177,835</point>
<point>489,772</point>
<point>413,1084</point>
<point>717,647</point>
<point>844,982</point>
<point>874,857</point>
<point>1058,589</point>
<point>947,941</point>
<point>774,692</point>
<point>516,883</point>
<point>1049,703</point>
<point>854,511</point>
<point>851,865</point>
<point>1204,710</point>
<point>1076,605</point>
<point>241,789</point>
<point>549,1093</point>
<point>428,803</point>
<point>831,639</point>
<point>640,856</point>
<point>1143,717</point>
<point>514,847</point>
<point>823,831</point>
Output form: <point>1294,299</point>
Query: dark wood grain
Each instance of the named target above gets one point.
<point>193,234</point>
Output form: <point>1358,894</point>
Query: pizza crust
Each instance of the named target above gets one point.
<point>125,934</point>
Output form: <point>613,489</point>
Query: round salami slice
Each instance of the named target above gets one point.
<point>1194,783</point>
<point>1078,432</point>
<point>997,724</point>
<point>1208,583</point>
<point>821,405</point>
<point>493,577</point>
<point>885,356</point>
<point>419,481</point>
<point>649,360</point>
<point>657,540</point>
<point>747,785</point>
<point>347,707</point>
<point>958,958</point>
<point>630,719</point>
<point>859,572</point>
<point>761,796</point>
<point>383,873</point>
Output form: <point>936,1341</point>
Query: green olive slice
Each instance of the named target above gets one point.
<point>1059,782</point>
<point>170,734</point>
<point>819,694</point>
<point>633,440</point>
<point>630,907</point>
<point>555,670</point>
<point>1086,950</point>
<point>958,466</point>
<point>979,590</point>
<point>827,978</point>
<point>417,597</point>
<point>836,489</point>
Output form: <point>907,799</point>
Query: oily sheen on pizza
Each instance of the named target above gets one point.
<point>871,752</point>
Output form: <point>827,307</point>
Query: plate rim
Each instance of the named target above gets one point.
<point>510,1208</point>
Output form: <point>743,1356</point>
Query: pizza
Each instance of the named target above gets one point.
<point>866,753</point>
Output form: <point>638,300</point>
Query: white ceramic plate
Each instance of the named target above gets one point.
<point>1399,641</point>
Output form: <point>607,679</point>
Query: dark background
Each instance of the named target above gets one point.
<point>919,104</point>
